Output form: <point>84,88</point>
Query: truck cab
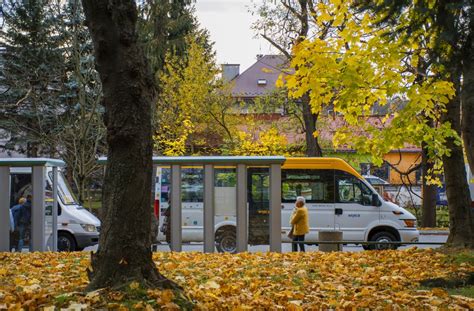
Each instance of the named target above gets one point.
<point>77,227</point>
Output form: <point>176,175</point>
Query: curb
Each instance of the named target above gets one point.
<point>434,232</point>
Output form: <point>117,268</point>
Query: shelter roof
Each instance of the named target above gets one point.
<point>28,162</point>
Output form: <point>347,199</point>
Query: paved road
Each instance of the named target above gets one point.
<point>287,247</point>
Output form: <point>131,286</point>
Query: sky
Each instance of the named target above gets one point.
<point>229,22</point>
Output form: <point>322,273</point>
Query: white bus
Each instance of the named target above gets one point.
<point>336,195</point>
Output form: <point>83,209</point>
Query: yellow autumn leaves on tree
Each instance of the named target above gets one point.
<point>353,64</point>
<point>247,281</point>
<point>195,109</point>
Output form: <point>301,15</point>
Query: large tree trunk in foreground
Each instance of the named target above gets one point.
<point>461,220</point>
<point>124,253</point>
<point>468,96</point>
<point>428,215</point>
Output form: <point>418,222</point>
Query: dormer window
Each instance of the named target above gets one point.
<point>262,82</point>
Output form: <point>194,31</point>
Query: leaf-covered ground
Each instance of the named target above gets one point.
<point>293,281</point>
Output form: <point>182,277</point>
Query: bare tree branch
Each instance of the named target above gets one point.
<point>277,46</point>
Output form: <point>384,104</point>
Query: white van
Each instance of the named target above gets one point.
<point>337,197</point>
<point>77,227</point>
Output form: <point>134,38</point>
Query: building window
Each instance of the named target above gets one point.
<point>381,171</point>
<point>365,168</point>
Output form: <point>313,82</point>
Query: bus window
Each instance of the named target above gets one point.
<point>165,185</point>
<point>352,190</point>
<point>259,182</point>
<point>192,188</point>
<point>191,185</point>
<point>316,186</point>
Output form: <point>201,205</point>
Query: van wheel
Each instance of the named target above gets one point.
<point>66,242</point>
<point>226,241</point>
<point>383,237</point>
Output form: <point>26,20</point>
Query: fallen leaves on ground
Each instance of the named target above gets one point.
<point>247,281</point>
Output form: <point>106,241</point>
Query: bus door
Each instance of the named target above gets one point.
<point>317,187</point>
<point>354,206</point>
<point>259,203</point>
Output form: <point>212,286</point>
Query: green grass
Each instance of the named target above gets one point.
<point>63,300</point>
<point>455,286</point>
<point>462,257</point>
<point>467,291</point>
<point>93,206</point>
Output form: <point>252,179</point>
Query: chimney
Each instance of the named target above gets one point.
<point>230,71</point>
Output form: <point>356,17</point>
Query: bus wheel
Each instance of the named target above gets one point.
<point>66,242</point>
<point>226,241</point>
<point>383,237</point>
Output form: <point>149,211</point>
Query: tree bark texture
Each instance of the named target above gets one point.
<point>468,96</point>
<point>461,216</point>
<point>124,253</point>
<point>310,120</point>
<point>428,217</point>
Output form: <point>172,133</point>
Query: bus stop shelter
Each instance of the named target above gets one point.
<point>208,163</point>
<point>39,240</point>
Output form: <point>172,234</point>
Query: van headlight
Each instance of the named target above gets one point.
<point>88,228</point>
<point>410,223</point>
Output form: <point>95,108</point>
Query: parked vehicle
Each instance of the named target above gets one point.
<point>337,197</point>
<point>399,194</point>
<point>77,227</point>
<point>375,180</point>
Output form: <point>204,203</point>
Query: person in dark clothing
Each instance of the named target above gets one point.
<point>17,213</point>
<point>167,224</point>
<point>22,218</point>
<point>13,238</point>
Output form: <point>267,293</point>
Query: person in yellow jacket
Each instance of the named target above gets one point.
<point>300,223</point>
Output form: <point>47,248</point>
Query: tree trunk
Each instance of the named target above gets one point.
<point>428,218</point>
<point>468,96</point>
<point>31,150</point>
<point>461,220</point>
<point>81,191</point>
<point>310,119</point>
<point>124,253</point>
<point>461,216</point>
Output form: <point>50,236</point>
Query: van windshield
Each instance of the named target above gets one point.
<point>64,191</point>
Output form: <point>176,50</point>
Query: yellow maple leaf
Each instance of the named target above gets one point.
<point>134,285</point>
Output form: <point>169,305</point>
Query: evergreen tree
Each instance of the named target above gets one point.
<point>81,132</point>
<point>31,76</point>
<point>163,26</point>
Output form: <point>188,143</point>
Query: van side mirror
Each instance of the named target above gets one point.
<point>375,200</point>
